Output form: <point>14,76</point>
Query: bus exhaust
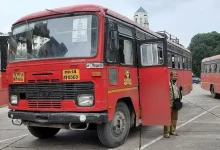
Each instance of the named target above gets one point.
<point>17,122</point>
<point>79,127</point>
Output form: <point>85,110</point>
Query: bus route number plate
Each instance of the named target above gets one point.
<point>18,77</point>
<point>72,74</point>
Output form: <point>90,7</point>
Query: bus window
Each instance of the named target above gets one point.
<point>169,58</point>
<point>176,61</point>
<point>160,53</point>
<point>208,69</point>
<point>126,52</point>
<point>173,61</point>
<point>186,63</point>
<point>218,67</point>
<point>184,60</point>
<point>181,62</point>
<point>213,68</point>
<point>190,64</point>
<point>149,55</point>
<point>203,68</point>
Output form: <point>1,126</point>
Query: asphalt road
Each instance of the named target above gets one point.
<point>198,130</point>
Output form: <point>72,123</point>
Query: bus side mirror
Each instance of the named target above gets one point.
<point>114,40</point>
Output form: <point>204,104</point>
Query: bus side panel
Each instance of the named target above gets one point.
<point>205,82</point>
<point>122,90</point>
<point>216,79</point>
<point>114,96</point>
<point>3,91</point>
<point>187,82</point>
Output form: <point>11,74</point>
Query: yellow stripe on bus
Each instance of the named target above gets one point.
<point>129,89</point>
<point>122,90</point>
<point>3,105</point>
<point>187,85</point>
<point>209,83</point>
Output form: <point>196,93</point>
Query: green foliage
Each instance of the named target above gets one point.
<point>203,45</point>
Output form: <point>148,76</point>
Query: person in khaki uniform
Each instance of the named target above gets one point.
<point>174,94</point>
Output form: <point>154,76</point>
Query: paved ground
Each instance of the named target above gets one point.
<point>198,130</point>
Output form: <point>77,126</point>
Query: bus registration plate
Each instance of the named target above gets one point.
<point>18,77</point>
<point>72,74</point>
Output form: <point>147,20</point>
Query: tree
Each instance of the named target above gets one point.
<point>203,45</point>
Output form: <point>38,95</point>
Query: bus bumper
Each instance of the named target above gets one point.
<point>66,117</point>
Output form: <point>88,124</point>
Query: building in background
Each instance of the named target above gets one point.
<point>141,18</point>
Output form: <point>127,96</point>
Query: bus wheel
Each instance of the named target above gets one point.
<point>115,132</point>
<point>214,95</point>
<point>43,132</point>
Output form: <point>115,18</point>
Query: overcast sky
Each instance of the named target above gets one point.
<point>182,18</point>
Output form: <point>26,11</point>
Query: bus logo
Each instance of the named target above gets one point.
<point>127,79</point>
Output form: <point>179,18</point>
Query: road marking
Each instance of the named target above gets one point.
<point>210,122</point>
<point>160,137</point>
<point>13,138</point>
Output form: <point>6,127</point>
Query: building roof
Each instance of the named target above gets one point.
<point>141,10</point>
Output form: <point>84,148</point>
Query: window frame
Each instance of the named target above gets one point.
<point>164,52</point>
<point>133,50</point>
<point>169,56</point>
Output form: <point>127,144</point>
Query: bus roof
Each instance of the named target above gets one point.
<point>216,57</point>
<point>90,8</point>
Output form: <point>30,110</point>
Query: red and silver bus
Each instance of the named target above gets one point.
<point>210,69</point>
<point>72,67</point>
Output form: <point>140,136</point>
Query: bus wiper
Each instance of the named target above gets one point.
<point>61,13</point>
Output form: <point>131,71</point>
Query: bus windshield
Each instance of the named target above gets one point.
<point>67,37</point>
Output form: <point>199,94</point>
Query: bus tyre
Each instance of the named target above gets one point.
<point>214,95</point>
<point>43,132</point>
<point>115,132</point>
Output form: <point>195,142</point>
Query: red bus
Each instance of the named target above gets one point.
<point>3,88</point>
<point>179,60</point>
<point>72,67</point>
<point>210,67</point>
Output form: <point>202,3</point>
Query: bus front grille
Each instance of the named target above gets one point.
<point>45,104</point>
<point>51,91</point>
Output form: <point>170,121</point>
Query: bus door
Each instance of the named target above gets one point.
<point>3,54</point>
<point>154,82</point>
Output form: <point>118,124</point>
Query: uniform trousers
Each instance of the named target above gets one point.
<point>172,128</point>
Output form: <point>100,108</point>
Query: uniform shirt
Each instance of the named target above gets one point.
<point>175,92</point>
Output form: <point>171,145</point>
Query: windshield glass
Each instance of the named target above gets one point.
<point>55,38</point>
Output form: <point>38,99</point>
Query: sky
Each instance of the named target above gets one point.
<point>181,18</point>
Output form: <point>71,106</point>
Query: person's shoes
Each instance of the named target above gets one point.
<point>166,136</point>
<point>175,134</point>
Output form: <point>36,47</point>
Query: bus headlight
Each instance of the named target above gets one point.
<point>14,99</point>
<point>85,100</point>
